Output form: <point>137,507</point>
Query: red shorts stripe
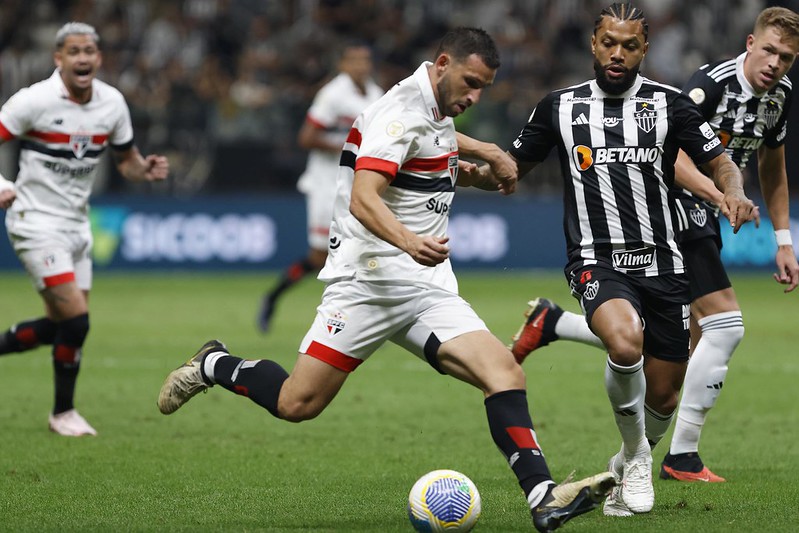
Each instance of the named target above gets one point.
<point>59,279</point>
<point>5,134</point>
<point>523,437</point>
<point>333,357</point>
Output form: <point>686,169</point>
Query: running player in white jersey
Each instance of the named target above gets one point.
<point>389,277</point>
<point>326,126</point>
<point>64,124</point>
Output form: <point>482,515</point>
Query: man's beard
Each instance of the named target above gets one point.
<point>614,86</point>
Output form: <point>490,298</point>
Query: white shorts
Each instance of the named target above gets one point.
<point>319,212</point>
<point>355,318</point>
<point>52,256</point>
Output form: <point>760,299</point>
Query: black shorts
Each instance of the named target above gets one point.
<point>662,302</point>
<point>696,219</point>
<point>706,272</point>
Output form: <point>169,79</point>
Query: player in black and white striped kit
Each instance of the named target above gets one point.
<point>746,101</point>
<point>618,136</point>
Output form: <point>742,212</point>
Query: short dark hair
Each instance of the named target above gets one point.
<point>462,42</point>
<point>623,11</point>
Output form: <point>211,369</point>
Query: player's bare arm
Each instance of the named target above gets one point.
<point>135,167</point>
<point>735,205</point>
<point>687,176</point>
<point>312,137</point>
<point>366,205</point>
<point>504,172</point>
<point>774,187</point>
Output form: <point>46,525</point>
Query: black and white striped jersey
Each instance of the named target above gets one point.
<point>617,156</point>
<point>742,119</point>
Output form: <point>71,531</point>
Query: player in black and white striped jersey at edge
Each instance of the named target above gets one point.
<point>618,136</point>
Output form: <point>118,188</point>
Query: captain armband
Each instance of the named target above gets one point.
<point>783,237</point>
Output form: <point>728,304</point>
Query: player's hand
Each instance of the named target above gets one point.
<point>738,209</point>
<point>7,197</point>
<point>428,250</point>
<point>157,168</point>
<point>787,268</point>
<point>505,170</point>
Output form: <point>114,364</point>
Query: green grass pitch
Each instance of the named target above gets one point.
<point>223,464</point>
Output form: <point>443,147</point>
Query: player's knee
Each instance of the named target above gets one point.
<point>624,350</point>
<point>300,410</point>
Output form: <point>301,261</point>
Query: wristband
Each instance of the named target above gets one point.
<point>783,237</point>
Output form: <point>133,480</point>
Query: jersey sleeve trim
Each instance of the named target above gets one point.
<point>377,165</point>
<point>123,147</point>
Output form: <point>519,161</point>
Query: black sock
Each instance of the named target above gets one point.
<point>512,431</point>
<point>27,335</point>
<point>292,275</point>
<point>67,347</point>
<point>260,380</point>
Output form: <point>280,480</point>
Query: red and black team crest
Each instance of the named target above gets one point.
<point>336,323</point>
<point>79,143</point>
<point>646,116</point>
<point>452,165</point>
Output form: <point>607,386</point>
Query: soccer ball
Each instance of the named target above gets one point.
<point>444,500</point>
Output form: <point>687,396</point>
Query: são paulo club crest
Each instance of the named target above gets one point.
<point>79,142</point>
<point>646,116</point>
<point>452,164</point>
<point>336,323</point>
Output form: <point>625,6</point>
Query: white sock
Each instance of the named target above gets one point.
<point>704,378</point>
<point>573,327</point>
<point>656,425</point>
<point>209,362</point>
<point>626,388</point>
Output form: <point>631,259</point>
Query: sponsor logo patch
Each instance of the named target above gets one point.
<point>639,259</point>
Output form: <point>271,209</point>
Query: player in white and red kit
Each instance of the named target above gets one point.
<point>326,126</point>
<point>64,124</point>
<point>389,278</point>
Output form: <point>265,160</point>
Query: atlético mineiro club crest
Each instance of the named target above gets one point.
<point>698,215</point>
<point>646,116</point>
<point>79,143</point>
<point>452,164</point>
<point>771,114</point>
<point>336,323</point>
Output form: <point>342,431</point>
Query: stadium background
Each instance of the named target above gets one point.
<point>222,86</point>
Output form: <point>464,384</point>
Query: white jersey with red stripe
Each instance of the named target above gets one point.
<point>61,142</point>
<point>405,137</point>
<point>333,110</point>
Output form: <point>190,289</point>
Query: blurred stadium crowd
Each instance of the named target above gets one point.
<point>222,86</point>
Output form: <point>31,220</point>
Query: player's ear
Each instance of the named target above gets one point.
<point>442,61</point>
<point>57,58</point>
<point>750,42</point>
<point>593,44</point>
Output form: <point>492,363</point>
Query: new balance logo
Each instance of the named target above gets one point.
<point>579,121</point>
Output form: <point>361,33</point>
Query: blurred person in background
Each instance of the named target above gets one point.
<point>323,133</point>
<point>64,124</point>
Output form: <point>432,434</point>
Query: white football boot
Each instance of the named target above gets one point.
<point>70,424</point>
